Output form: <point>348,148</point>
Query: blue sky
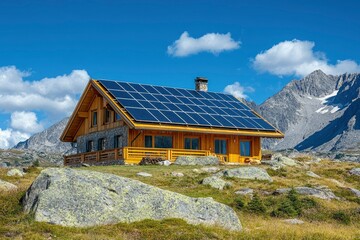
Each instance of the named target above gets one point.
<point>269,44</point>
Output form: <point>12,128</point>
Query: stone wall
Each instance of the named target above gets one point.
<point>107,134</point>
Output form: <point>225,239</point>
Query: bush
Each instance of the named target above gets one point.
<point>256,205</point>
<point>239,203</point>
<point>341,217</point>
<point>286,209</point>
<point>291,206</point>
<point>36,163</point>
<point>280,172</point>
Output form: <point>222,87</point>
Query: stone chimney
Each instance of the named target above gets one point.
<point>201,84</point>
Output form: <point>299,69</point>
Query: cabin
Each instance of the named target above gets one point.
<point>121,122</point>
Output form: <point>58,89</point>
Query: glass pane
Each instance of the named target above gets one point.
<point>220,146</point>
<point>245,148</point>
<point>217,146</point>
<point>195,143</point>
<point>148,141</point>
<point>94,120</point>
<point>223,146</point>
<point>187,143</point>
<point>163,141</point>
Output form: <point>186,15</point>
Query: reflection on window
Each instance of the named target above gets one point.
<point>94,119</point>
<point>117,117</point>
<point>148,141</point>
<point>118,141</point>
<point>101,144</point>
<point>89,146</point>
<point>245,149</point>
<point>163,141</point>
<point>220,146</point>
<point>106,115</point>
<point>191,143</point>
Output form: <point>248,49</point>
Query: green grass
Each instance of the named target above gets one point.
<point>323,219</point>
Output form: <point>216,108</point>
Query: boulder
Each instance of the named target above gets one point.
<point>165,163</point>
<point>245,191</point>
<point>339,184</point>
<point>15,172</point>
<point>195,170</point>
<point>355,192</point>
<point>355,171</point>
<point>287,161</point>
<point>312,174</point>
<point>210,169</point>
<point>215,182</point>
<point>177,174</point>
<point>321,192</point>
<point>82,198</point>
<point>144,174</point>
<point>6,186</point>
<point>193,160</point>
<point>252,173</point>
<point>278,161</point>
<point>293,221</point>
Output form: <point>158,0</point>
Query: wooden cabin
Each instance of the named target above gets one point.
<point>117,122</point>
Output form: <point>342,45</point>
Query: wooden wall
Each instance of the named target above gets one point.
<point>207,141</point>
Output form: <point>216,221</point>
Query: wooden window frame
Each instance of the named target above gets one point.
<point>107,118</point>
<point>88,144</point>
<point>250,145</point>
<point>193,137</point>
<point>162,135</point>
<point>92,118</point>
<point>227,145</point>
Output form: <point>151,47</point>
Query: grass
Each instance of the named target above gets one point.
<point>336,219</point>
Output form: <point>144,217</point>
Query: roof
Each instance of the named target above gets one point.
<point>145,106</point>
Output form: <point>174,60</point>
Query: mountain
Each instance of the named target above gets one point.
<point>48,140</point>
<point>319,112</point>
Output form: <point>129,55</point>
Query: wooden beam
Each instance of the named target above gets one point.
<point>83,114</point>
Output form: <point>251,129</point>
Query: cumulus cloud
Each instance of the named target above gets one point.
<point>9,138</point>
<point>297,57</point>
<point>54,98</point>
<point>214,43</point>
<point>56,95</point>
<point>237,90</point>
<point>26,122</point>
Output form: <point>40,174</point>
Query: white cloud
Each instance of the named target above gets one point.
<point>26,122</point>
<point>298,58</point>
<point>56,96</point>
<point>9,138</point>
<point>237,90</point>
<point>214,43</point>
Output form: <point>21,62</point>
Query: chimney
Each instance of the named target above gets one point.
<point>201,84</point>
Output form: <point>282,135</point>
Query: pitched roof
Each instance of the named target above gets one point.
<point>173,109</point>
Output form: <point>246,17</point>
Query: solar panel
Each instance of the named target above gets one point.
<point>155,104</point>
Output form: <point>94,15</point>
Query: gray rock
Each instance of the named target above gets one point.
<point>6,186</point>
<point>215,182</point>
<point>165,163</point>
<point>355,191</point>
<point>312,174</point>
<point>355,171</point>
<point>245,191</point>
<point>210,169</point>
<point>293,221</point>
<point>321,192</point>
<point>15,172</point>
<point>144,174</point>
<point>339,184</point>
<point>85,165</point>
<point>3,165</point>
<point>193,160</point>
<point>287,161</point>
<point>81,198</point>
<point>177,174</point>
<point>252,173</point>
<point>195,170</point>
<point>275,156</point>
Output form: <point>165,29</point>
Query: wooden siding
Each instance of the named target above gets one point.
<point>207,142</point>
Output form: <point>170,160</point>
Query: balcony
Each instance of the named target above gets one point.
<point>130,155</point>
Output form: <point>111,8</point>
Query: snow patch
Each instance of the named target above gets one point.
<point>335,109</point>
<point>325,98</point>
<point>309,97</point>
<point>320,109</point>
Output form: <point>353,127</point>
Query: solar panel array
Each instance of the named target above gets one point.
<point>156,104</point>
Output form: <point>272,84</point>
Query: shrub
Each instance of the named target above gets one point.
<point>281,172</point>
<point>341,217</point>
<point>286,209</point>
<point>36,163</point>
<point>239,203</point>
<point>256,205</point>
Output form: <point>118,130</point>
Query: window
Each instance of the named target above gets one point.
<point>94,119</point>
<point>101,144</point>
<point>118,141</point>
<point>117,117</point>
<point>148,141</point>
<point>191,143</point>
<point>220,146</point>
<point>106,116</point>
<point>245,148</point>
<point>89,146</point>
<point>163,141</point>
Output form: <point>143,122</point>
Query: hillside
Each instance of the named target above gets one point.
<point>319,112</point>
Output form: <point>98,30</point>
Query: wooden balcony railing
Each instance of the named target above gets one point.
<point>94,157</point>
<point>134,155</point>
